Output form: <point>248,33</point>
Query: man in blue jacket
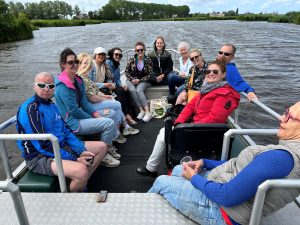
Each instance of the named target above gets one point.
<point>233,76</point>
<point>40,115</point>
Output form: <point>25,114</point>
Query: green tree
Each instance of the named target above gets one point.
<point>76,11</point>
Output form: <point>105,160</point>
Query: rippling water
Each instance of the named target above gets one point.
<point>267,57</point>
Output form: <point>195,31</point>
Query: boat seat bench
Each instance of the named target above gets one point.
<point>33,182</point>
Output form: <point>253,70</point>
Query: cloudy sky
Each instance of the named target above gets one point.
<point>203,6</point>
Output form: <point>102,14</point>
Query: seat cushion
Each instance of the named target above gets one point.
<point>33,182</point>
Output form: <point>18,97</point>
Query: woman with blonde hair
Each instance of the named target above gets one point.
<point>195,78</point>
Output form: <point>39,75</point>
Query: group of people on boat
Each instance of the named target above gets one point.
<point>92,100</point>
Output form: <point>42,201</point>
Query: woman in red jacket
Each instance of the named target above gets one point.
<point>214,103</point>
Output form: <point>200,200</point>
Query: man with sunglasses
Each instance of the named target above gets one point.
<point>233,76</point>
<point>208,190</point>
<point>40,115</point>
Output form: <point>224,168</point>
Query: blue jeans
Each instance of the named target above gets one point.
<point>115,107</point>
<point>105,127</point>
<point>174,80</point>
<point>187,199</point>
<point>180,89</point>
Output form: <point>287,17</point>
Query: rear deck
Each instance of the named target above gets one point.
<point>135,152</point>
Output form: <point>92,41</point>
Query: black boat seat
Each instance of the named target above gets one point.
<point>195,140</point>
<point>33,182</point>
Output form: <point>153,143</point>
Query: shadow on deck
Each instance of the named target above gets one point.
<point>135,152</point>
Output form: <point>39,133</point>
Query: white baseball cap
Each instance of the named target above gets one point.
<point>99,50</point>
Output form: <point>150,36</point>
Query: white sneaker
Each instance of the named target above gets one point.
<point>110,161</point>
<point>147,117</point>
<point>120,139</point>
<point>130,130</point>
<point>141,115</point>
<point>113,152</point>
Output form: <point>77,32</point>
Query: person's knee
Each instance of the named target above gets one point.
<point>101,147</point>
<point>177,170</point>
<point>81,172</point>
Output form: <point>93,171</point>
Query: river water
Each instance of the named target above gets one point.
<point>267,57</point>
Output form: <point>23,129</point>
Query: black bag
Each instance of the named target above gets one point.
<point>175,110</point>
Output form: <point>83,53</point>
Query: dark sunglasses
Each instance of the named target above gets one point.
<point>288,116</point>
<point>43,85</point>
<point>139,50</point>
<point>216,72</point>
<point>73,62</point>
<point>117,54</point>
<point>224,53</point>
<point>193,58</point>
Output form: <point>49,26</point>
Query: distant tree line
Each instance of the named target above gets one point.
<point>45,9</point>
<point>127,10</point>
<point>13,28</point>
<point>290,17</point>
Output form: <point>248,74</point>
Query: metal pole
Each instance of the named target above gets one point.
<point>263,107</point>
<point>60,170</point>
<point>17,199</point>
<point>5,160</point>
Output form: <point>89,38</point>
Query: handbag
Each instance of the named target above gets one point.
<point>159,107</point>
<point>191,93</point>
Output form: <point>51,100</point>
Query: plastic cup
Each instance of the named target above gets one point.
<point>185,159</point>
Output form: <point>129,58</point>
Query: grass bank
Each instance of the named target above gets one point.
<point>291,17</point>
<point>63,23</point>
<point>15,28</point>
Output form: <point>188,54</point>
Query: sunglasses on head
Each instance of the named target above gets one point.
<point>225,53</point>
<point>73,62</point>
<point>43,85</point>
<point>118,55</point>
<point>195,57</point>
<point>216,72</point>
<point>139,50</point>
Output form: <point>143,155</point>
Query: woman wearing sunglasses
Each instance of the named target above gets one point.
<point>137,72</point>
<point>214,102</point>
<point>113,62</point>
<point>162,63</point>
<point>195,78</point>
<point>77,111</point>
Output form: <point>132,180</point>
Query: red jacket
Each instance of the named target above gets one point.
<point>212,107</point>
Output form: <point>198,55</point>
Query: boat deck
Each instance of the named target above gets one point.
<point>135,152</point>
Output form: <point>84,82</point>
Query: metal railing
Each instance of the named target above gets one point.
<point>56,150</point>
<point>232,132</point>
<point>16,196</point>
<point>261,194</point>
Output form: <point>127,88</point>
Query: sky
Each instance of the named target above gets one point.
<point>202,6</point>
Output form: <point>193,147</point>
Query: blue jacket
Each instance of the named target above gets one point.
<point>38,116</point>
<point>66,100</point>
<point>115,72</point>
<point>234,78</point>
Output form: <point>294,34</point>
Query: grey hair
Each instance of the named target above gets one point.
<point>43,74</point>
<point>183,44</point>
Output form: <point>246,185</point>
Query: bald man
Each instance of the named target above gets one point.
<point>40,115</point>
<point>223,192</point>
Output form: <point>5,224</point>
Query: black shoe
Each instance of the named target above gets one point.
<point>171,99</point>
<point>143,171</point>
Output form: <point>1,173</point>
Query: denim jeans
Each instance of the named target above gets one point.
<point>115,113</point>
<point>174,80</point>
<point>180,89</point>
<point>187,199</point>
<point>105,127</point>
